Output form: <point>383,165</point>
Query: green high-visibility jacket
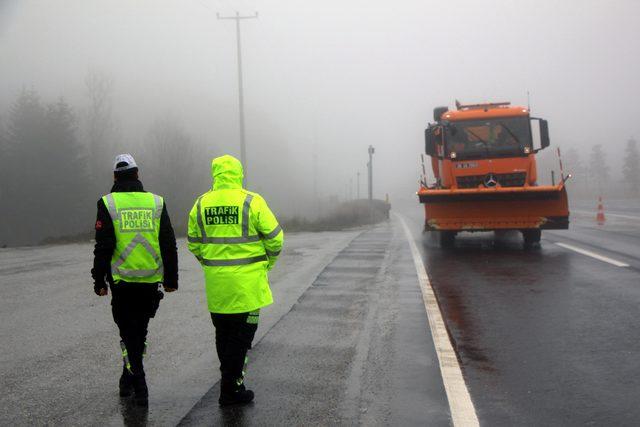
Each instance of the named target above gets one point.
<point>237,240</point>
<point>136,223</point>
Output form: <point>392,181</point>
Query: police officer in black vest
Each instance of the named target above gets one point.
<point>135,289</point>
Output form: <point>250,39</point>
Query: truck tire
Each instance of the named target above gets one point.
<point>447,239</point>
<point>531,237</point>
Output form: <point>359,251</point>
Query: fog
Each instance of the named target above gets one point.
<point>322,79</point>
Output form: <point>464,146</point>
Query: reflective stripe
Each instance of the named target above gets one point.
<point>111,206</point>
<point>159,204</point>
<point>139,273</point>
<point>245,215</point>
<point>240,380</point>
<point>223,240</point>
<point>113,212</point>
<point>199,217</point>
<point>145,243</point>
<point>138,240</point>
<point>127,251</point>
<point>272,253</point>
<point>125,357</point>
<point>253,318</point>
<point>236,261</point>
<point>273,234</point>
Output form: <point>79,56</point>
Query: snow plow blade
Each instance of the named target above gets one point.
<point>485,209</point>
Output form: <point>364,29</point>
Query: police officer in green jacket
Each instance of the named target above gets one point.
<point>237,240</point>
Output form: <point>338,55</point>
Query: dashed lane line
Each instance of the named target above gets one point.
<point>463,412</point>
<point>593,255</point>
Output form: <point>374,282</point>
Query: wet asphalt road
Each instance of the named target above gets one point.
<point>60,358</point>
<point>347,341</point>
<point>544,337</point>
<point>550,336</point>
<point>355,349</point>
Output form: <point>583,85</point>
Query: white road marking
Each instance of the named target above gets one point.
<point>463,412</point>
<point>592,255</point>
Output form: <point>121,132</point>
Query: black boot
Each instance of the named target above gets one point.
<point>141,393</point>
<point>126,383</point>
<point>233,394</point>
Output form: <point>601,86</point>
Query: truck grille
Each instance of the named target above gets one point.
<point>516,179</point>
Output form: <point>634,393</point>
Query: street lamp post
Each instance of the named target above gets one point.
<point>370,166</point>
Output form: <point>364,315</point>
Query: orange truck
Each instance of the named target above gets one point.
<point>484,163</point>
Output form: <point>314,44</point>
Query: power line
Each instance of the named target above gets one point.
<point>206,6</point>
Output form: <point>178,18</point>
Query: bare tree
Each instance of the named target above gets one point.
<point>168,166</point>
<point>100,129</point>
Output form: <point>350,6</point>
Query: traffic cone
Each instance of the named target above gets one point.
<point>600,215</point>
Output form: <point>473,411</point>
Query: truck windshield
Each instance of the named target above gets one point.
<point>500,137</point>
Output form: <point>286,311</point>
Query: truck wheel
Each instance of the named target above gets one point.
<point>531,237</point>
<point>447,239</point>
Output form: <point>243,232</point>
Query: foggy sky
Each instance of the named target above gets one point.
<point>335,75</point>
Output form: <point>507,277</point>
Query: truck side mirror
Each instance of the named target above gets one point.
<point>429,142</point>
<point>540,134</point>
<point>544,134</point>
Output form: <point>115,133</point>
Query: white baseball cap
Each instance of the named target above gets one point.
<point>130,163</point>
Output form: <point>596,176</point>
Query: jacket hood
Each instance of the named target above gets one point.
<point>226,172</point>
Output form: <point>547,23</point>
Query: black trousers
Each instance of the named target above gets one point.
<point>132,305</point>
<point>234,334</point>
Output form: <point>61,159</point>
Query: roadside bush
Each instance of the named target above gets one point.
<point>348,214</point>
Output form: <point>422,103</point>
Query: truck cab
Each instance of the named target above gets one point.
<point>483,159</point>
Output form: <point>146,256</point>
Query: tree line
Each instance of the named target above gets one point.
<point>55,163</point>
<point>592,175</point>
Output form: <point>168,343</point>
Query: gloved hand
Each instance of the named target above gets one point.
<point>101,289</point>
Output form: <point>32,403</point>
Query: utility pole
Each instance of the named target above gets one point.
<point>370,165</point>
<point>358,186</point>
<point>243,149</point>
